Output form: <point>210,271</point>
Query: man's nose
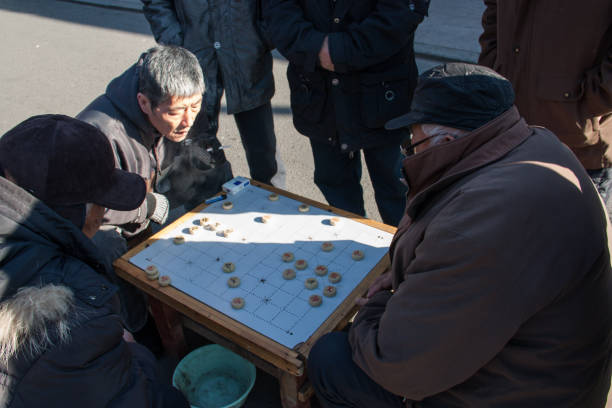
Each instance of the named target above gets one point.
<point>189,117</point>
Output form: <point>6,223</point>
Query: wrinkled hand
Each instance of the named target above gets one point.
<point>324,57</point>
<point>383,282</point>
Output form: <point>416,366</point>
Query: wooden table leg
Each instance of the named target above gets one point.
<point>289,388</point>
<point>170,326</point>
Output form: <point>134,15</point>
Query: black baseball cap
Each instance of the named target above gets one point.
<point>459,95</point>
<point>64,162</point>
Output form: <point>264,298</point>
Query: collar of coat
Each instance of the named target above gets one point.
<point>437,167</point>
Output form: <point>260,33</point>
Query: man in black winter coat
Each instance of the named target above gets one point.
<point>351,68</point>
<point>62,342</point>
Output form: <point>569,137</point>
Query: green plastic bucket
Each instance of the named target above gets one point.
<point>213,377</point>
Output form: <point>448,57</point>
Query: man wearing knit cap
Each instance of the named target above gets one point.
<point>499,291</point>
<point>62,341</point>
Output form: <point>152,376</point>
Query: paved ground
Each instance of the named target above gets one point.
<point>57,56</point>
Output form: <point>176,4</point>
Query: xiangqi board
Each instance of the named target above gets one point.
<point>275,264</point>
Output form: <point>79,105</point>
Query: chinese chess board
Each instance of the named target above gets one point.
<point>254,235</point>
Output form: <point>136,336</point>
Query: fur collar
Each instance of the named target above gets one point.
<point>34,319</point>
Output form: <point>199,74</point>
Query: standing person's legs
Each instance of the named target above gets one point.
<point>339,382</point>
<point>338,176</point>
<point>602,178</point>
<point>256,128</point>
<point>384,165</point>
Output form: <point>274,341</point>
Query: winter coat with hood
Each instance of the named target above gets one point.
<point>184,172</point>
<point>371,46</point>
<point>61,339</point>
<point>225,37</point>
<point>558,56</point>
<point>501,275</point>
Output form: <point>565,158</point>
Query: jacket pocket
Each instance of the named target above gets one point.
<point>384,97</point>
<point>558,106</point>
<point>308,94</point>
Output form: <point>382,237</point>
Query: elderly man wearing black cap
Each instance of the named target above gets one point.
<point>61,337</point>
<point>500,286</point>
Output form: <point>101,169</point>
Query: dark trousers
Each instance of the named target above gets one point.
<point>602,179</point>
<point>338,176</point>
<point>256,128</point>
<point>339,382</point>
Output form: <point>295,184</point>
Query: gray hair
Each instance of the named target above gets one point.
<point>440,130</point>
<point>167,71</point>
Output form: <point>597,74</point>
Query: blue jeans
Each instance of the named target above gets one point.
<point>602,178</point>
<point>339,382</point>
<point>338,176</point>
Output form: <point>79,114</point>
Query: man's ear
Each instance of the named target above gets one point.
<point>144,103</point>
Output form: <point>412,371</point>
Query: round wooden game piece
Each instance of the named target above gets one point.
<point>288,274</point>
<point>266,218</point>
<point>273,197</point>
<point>334,221</point>
<point>287,257</point>
<point>321,270</point>
<point>301,264</point>
<point>327,246</point>
<point>315,300</point>
<point>303,208</point>
<point>311,283</point>
<point>237,303</point>
<point>329,291</point>
<point>226,233</point>
<point>334,277</point>
<point>153,276</point>
<point>204,220</point>
<point>151,270</point>
<point>179,240</point>
<point>164,280</point>
<point>357,255</point>
<point>233,282</point>
<point>228,205</point>
<point>228,267</point>
<point>210,227</point>
<point>193,229</point>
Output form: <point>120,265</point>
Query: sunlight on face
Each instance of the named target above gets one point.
<point>173,118</point>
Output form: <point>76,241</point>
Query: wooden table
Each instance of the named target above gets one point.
<point>173,310</point>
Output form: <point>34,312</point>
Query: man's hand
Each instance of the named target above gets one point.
<point>157,207</point>
<point>324,57</point>
<point>383,282</point>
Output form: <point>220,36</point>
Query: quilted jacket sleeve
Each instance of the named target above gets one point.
<point>161,15</point>
<point>287,29</point>
<point>378,37</point>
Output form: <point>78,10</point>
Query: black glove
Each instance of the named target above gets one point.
<point>157,208</point>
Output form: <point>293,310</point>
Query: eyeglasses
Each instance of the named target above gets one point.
<point>407,148</point>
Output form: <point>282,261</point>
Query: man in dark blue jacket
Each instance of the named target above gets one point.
<point>351,68</point>
<point>62,342</point>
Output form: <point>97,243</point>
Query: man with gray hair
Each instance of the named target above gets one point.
<point>147,113</point>
<point>499,291</point>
